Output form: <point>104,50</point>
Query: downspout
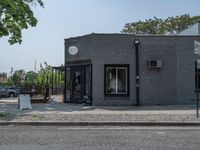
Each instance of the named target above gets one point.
<point>137,43</point>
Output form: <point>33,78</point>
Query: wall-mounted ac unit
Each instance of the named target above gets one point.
<point>154,64</point>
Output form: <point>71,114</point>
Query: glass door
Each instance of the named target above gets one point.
<point>77,84</point>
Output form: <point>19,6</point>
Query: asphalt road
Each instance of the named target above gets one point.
<point>99,138</point>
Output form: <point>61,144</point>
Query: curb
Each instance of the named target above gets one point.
<point>49,123</point>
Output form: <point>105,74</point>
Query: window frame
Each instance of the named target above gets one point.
<point>127,66</point>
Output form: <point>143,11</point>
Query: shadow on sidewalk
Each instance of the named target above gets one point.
<point>148,108</point>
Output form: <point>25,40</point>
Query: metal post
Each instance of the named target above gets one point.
<point>56,81</point>
<point>52,82</point>
<point>55,78</point>
<point>197,87</point>
<point>60,77</point>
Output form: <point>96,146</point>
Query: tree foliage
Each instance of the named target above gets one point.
<point>16,15</point>
<point>160,26</point>
<point>41,77</point>
<point>18,76</point>
<point>44,75</point>
<point>31,77</point>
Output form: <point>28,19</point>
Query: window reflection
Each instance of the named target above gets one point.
<point>116,80</point>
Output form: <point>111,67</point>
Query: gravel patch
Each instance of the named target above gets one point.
<point>75,113</point>
<point>107,117</point>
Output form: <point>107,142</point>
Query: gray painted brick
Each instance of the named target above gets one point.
<point>174,83</point>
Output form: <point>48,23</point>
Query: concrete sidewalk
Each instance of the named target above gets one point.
<point>62,112</point>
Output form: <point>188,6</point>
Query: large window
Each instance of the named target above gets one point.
<point>116,80</point>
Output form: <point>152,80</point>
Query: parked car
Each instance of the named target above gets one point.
<point>3,92</point>
<point>8,92</point>
<point>13,91</point>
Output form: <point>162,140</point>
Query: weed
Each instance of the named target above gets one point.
<point>37,117</point>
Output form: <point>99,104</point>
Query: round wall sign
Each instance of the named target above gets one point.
<point>73,50</point>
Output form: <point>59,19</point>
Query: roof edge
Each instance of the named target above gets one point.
<point>134,35</point>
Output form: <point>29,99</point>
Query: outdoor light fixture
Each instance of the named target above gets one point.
<point>73,50</point>
<point>136,41</point>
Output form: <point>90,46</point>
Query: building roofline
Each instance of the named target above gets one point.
<point>134,35</point>
<point>92,34</point>
<point>167,35</point>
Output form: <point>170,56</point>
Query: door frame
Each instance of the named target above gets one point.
<point>82,67</point>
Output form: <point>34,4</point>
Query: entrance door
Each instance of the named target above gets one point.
<point>77,84</point>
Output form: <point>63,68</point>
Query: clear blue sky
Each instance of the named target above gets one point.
<point>61,19</point>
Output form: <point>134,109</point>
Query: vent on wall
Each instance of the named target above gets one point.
<point>154,64</point>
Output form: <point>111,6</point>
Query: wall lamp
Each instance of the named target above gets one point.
<point>136,42</point>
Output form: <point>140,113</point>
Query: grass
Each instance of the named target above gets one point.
<point>37,117</point>
<point>5,116</point>
<point>2,115</point>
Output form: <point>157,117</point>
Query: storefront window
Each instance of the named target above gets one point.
<point>116,80</point>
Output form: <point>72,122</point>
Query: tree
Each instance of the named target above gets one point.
<point>160,26</point>
<point>18,76</point>
<point>44,75</point>
<point>16,15</point>
<point>31,77</point>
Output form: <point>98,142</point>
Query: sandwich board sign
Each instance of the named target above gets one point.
<point>24,102</point>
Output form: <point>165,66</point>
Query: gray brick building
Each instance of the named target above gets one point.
<point>107,69</point>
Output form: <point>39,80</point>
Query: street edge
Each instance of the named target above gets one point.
<point>140,123</point>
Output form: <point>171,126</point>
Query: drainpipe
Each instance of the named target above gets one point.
<point>137,43</point>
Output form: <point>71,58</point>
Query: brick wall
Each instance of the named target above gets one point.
<point>173,83</point>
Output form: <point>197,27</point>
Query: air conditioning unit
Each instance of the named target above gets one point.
<point>154,64</point>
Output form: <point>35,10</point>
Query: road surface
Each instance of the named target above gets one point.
<point>99,138</point>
